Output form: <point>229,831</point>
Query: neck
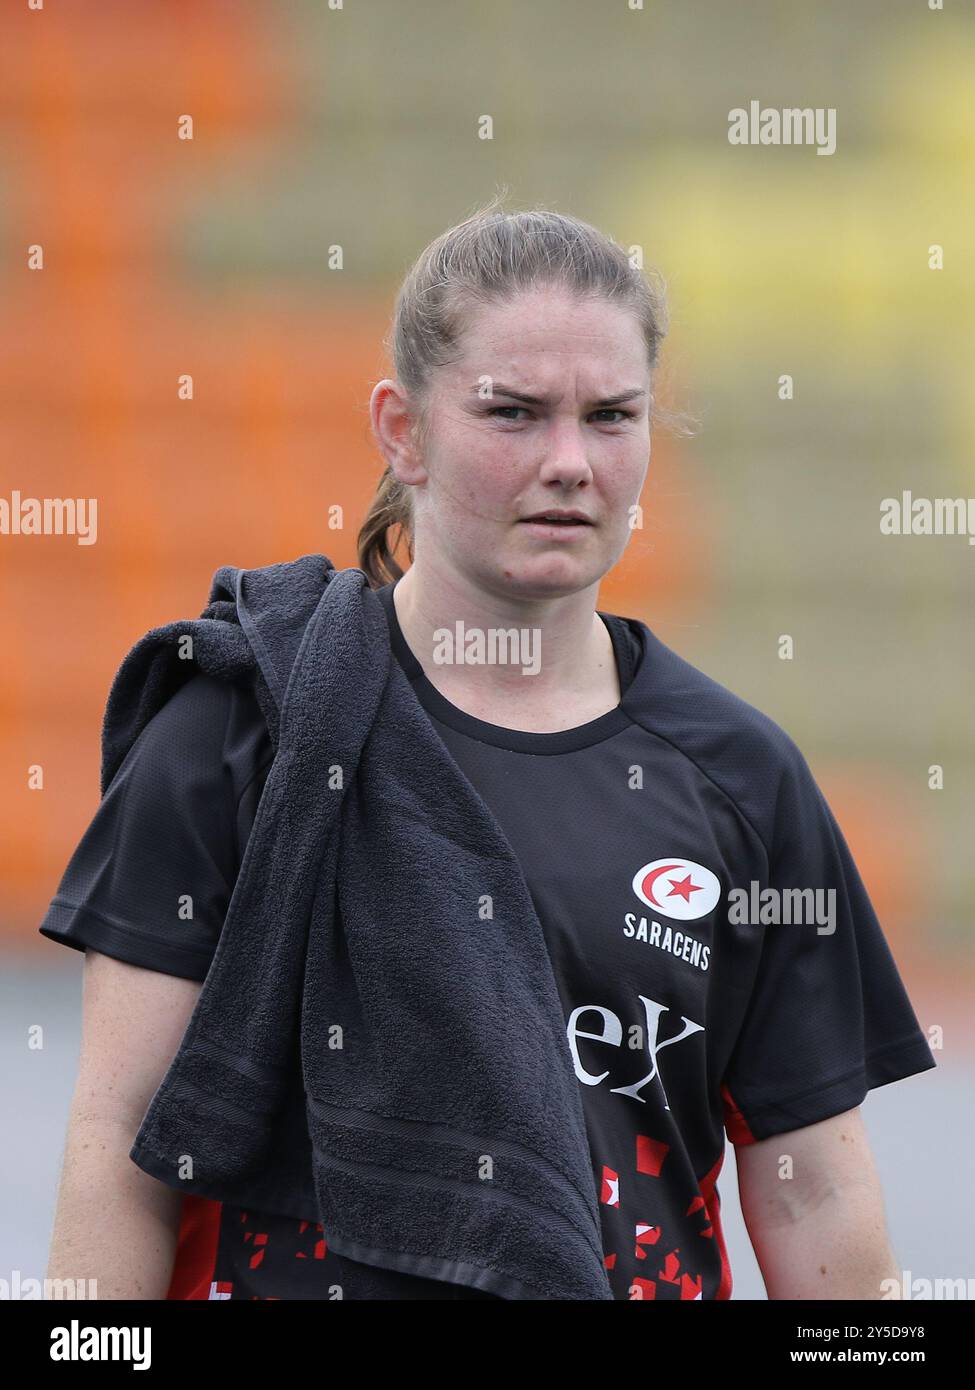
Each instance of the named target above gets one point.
<point>563,660</point>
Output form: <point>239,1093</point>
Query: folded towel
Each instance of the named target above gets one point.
<point>379,1039</point>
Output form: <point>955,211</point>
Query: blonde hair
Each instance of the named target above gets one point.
<point>489,256</point>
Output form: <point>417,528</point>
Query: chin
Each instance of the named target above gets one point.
<point>550,575</point>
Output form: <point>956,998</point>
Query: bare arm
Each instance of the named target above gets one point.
<point>113,1222</point>
<point>821,1232</point>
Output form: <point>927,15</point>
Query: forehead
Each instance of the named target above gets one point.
<point>543,333</point>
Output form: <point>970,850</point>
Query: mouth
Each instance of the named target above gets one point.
<point>558,529</point>
<point>559,519</point>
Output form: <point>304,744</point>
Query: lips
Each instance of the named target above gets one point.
<point>554,519</point>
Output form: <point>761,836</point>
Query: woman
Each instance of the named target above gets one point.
<point>634,791</point>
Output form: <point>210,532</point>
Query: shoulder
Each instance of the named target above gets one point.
<point>168,831</point>
<point>211,730</point>
<point>194,717</point>
<point>739,747</point>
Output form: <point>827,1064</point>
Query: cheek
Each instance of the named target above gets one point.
<point>622,489</point>
<point>622,485</point>
<point>490,481</point>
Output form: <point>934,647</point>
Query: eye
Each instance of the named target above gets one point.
<point>609,410</point>
<point>612,410</point>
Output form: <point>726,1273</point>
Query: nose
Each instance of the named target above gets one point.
<point>566,459</point>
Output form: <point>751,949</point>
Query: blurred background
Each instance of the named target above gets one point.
<point>316,128</point>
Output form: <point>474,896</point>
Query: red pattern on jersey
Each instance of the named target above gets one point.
<point>196,1248</point>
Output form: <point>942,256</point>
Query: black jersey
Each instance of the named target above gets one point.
<point>694,1010</point>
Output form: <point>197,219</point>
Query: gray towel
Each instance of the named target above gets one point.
<point>379,1041</point>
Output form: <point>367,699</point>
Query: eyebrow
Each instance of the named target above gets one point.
<point>514,395</point>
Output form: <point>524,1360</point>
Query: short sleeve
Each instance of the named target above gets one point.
<point>828,1018</point>
<point>151,879</point>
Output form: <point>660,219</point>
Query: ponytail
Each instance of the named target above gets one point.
<point>389,508</point>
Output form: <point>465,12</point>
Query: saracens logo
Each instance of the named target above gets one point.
<point>678,888</point>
